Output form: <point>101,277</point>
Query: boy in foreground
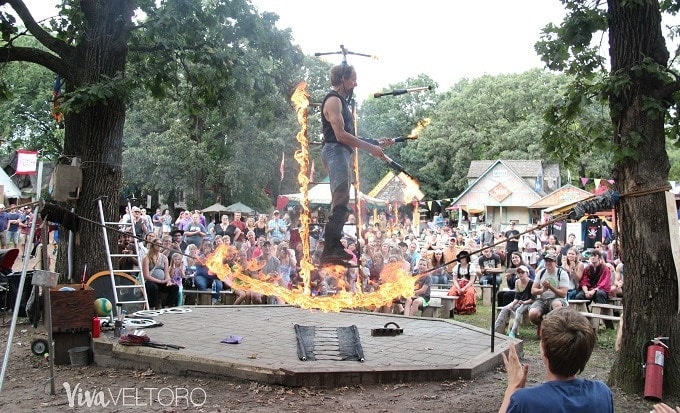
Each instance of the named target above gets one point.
<point>567,341</point>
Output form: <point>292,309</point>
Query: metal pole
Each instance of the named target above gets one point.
<point>17,301</point>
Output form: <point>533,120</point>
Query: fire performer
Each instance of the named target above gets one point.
<point>339,140</point>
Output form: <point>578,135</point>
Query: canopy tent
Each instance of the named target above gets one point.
<point>10,188</point>
<point>321,195</point>
<point>217,207</point>
<point>239,207</point>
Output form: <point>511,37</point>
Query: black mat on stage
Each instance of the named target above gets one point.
<point>329,343</point>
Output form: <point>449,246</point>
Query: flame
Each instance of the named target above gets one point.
<point>420,125</point>
<point>227,263</point>
<point>394,282</point>
<point>300,100</point>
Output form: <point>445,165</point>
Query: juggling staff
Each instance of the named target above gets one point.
<point>397,167</point>
<point>397,92</point>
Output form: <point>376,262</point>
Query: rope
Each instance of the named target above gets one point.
<point>642,192</point>
<point>560,217</point>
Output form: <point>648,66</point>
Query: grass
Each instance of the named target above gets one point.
<point>482,319</point>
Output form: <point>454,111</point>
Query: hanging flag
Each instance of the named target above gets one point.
<point>597,182</point>
<point>311,172</point>
<point>27,162</point>
<point>611,181</point>
<point>283,158</point>
<point>56,100</point>
<point>584,181</point>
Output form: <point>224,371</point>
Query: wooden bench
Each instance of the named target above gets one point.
<point>579,305</point>
<point>448,303</point>
<point>615,300</point>
<point>605,309</point>
<point>205,297</point>
<point>431,310</point>
<point>595,319</point>
<point>486,290</point>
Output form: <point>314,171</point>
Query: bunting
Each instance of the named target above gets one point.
<point>311,172</point>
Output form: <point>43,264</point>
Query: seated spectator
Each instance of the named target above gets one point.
<point>572,264</point>
<point>567,341</point>
<point>438,272</point>
<point>617,284</point>
<point>177,240</point>
<point>464,276</point>
<point>504,297</point>
<point>203,277</point>
<point>421,293</point>
<point>127,246</point>
<point>177,274</point>
<point>549,288</point>
<point>156,274</point>
<point>596,282</point>
<point>523,299</point>
<point>489,267</point>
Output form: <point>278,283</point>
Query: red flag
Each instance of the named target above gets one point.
<point>27,162</point>
<point>283,157</point>
<point>311,172</point>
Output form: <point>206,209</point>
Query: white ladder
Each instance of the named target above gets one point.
<point>130,296</point>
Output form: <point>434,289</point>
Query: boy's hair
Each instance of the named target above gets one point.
<point>568,340</point>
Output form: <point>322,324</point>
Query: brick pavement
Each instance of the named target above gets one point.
<point>428,350</point>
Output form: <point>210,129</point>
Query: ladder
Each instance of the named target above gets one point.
<point>127,296</point>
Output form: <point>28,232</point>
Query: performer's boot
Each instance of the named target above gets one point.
<point>333,249</point>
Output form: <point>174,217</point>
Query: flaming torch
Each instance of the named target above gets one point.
<point>415,132</point>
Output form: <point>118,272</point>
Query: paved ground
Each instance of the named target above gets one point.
<point>428,349</point>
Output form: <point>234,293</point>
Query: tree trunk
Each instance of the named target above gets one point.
<point>651,287</point>
<point>95,134</point>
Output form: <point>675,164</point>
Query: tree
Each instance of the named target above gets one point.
<point>640,88</point>
<point>89,45</point>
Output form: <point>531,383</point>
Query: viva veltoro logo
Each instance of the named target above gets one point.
<point>135,396</point>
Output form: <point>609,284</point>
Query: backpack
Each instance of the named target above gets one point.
<point>559,272</point>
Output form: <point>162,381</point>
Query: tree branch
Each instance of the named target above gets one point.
<point>664,93</point>
<point>57,46</point>
<point>40,57</point>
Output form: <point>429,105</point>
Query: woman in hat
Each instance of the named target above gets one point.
<point>464,275</point>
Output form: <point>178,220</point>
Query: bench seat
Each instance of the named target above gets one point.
<point>205,297</point>
<point>595,319</point>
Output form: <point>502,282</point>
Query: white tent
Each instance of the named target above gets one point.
<point>11,189</point>
<point>321,194</point>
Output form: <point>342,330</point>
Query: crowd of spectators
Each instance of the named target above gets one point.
<point>455,257</point>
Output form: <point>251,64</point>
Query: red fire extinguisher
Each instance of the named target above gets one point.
<point>657,351</point>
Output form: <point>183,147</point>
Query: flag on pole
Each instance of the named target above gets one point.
<point>311,172</point>
<point>283,157</point>
<point>27,162</point>
<point>56,99</point>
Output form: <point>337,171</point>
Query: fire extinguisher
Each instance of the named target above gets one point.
<point>652,366</point>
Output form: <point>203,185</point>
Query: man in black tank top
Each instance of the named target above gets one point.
<point>339,142</point>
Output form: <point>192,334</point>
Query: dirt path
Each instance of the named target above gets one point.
<point>26,389</point>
